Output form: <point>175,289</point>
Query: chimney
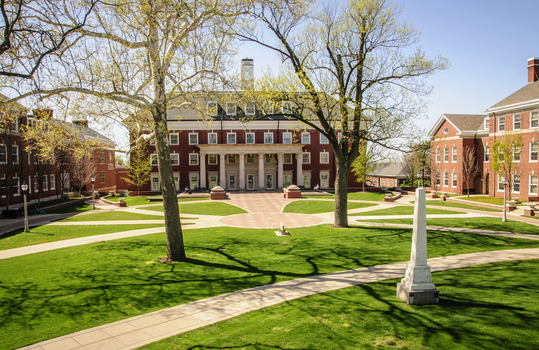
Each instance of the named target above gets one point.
<point>81,122</point>
<point>533,69</point>
<point>42,114</point>
<point>247,73</point>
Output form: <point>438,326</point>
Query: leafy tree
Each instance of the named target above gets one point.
<point>364,164</point>
<point>346,71</point>
<point>418,160</point>
<point>139,167</point>
<point>505,152</point>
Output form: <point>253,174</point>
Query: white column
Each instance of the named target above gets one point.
<point>202,161</point>
<point>222,175</point>
<point>242,172</point>
<point>280,175</point>
<point>299,169</point>
<point>261,174</point>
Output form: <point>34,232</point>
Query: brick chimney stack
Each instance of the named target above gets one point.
<point>81,122</point>
<point>533,69</point>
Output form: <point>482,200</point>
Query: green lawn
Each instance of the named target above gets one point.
<point>361,196</point>
<point>484,199</point>
<point>210,208</point>
<point>53,293</point>
<point>314,207</point>
<point>404,210</point>
<point>134,201</point>
<point>490,306</point>
<point>459,205</point>
<point>73,208</point>
<point>111,216</point>
<point>45,234</point>
<point>494,224</point>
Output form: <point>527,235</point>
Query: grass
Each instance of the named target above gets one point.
<point>111,216</point>
<point>135,201</point>
<point>73,208</point>
<point>314,207</point>
<point>361,196</point>
<point>484,199</point>
<point>210,208</point>
<point>46,234</point>
<point>490,223</point>
<point>53,293</point>
<point>490,306</point>
<point>459,205</point>
<point>404,210</point>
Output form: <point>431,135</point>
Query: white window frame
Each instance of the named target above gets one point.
<point>45,184</point>
<point>3,146</point>
<point>323,139</point>
<point>306,180</point>
<point>306,158</point>
<point>175,158</point>
<point>501,178</point>
<point>191,141</point>
<point>438,179</point>
<point>228,140</point>
<point>269,107</point>
<point>252,136</point>
<point>210,159</point>
<point>454,180</point>
<point>212,108</point>
<point>454,154</point>
<point>533,183</point>
<point>210,136</point>
<point>486,156</point>
<point>517,118</point>
<point>16,183</point>
<point>534,154</point>
<point>306,137</point>
<point>250,109</point>
<point>324,155</point>
<point>153,157</point>
<point>438,154</point>
<point>191,177</point>
<point>176,136</point>
<point>153,183</point>
<point>446,154</point>
<point>193,158</point>
<point>231,108</point>
<point>177,181</point>
<point>516,182</point>
<point>287,137</point>
<point>324,173</point>
<point>534,119</point>
<point>486,125</point>
<point>501,123</point>
<point>446,179</point>
<point>517,154</point>
<point>16,148</point>
<point>268,138</point>
<point>36,187</point>
<point>53,182</point>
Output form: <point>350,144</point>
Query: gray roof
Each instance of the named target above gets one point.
<point>397,169</point>
<point>528,93</point>
<point>466,122</point>
<point>87,132</point>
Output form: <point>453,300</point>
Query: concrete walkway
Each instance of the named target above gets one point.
<point>137,331</point>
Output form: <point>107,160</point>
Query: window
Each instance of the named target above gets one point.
<point>516,154</point>
<point>323,140</point>
<point>533,184</point>
<point>101,176</point>
<point>63,157</point>
<point>438,181</point>
<point>487,123</point>
<point>446,179</point>
<point>501,124</point>
<point>250,137</point>
<point>306,158</point>
<point>287,159</point>
<point>177,182</point>
<point>269,158</point>
<point>45,183</point>
<point>36,187</point>
<point>324,157</point>
<point>212,138</point>
<point>111,158</point>
<point>250,159</point>
<point>268,137</point>
<point>153,159</point>
<point>487,153</point>
<point>286,107</point>
<point>268,107</point>
<point>212,108</point>
<point>534,151</point>
<point>16,186</point>
<point>534,120</point>
<point>101,158</point>
<point>231,138</point>
<point>454,180</point>
<point>15,154</point>
<point>305,137</point>
<point>446,154</point>
<point>287,137</point>
<point>212,159</point>
<point>175,159</point>
<point>250,109</point>
<point>213,181</point>
<point>500,182</point>
<point>2,153</point>
<point>193,138</point>
<point>516,122</point>
<point>516,183</point>
<point>324,180</point>
<point>232,159</point>
<point>454,159</point>
<point>231,108</point>
<point>53,182</point>
<point>193,158</point>
<point>193,181</point>
<point>438,155</point>
<point>155,183</point>
<point>174,139</point>
<point>287,180</point>
<point>306,181</point>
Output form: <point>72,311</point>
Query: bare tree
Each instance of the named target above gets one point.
<point>82,169</point>
<point>468,166</point>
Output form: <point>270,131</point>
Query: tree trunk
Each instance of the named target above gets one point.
<point>341,193</point>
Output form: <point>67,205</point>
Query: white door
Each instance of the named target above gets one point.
<point>269,181</point>
<point>231,182</point>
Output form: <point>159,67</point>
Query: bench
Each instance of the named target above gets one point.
<point>13,213</point>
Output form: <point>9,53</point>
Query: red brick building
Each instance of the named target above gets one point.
<point>516,114</point>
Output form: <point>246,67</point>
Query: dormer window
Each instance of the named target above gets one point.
<point>212,108</point>
<point>231,108</point>
<point>486,124</point>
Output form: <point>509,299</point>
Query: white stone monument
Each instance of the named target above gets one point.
<point>416,287</point>
<point>282,231</point>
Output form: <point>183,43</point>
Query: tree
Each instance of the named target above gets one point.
<point>418,160</point>
<point>345,72</point>
<point>82,168</point>
<point>506,154</point>
<point>364,164</point>
<point>139,58</point>
<point>139,167</point>
<point>468,166</point>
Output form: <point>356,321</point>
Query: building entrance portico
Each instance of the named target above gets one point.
<point>241,164</point>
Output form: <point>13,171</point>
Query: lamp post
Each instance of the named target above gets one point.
<point>24,188</point>
<point>93,193</point>
<point>504,200</point>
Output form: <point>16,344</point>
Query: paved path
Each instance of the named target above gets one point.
<point>137,331</point>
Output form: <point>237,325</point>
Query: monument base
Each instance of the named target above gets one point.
<point>417,297</point>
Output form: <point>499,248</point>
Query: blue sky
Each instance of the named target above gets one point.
<point>487,42</point>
